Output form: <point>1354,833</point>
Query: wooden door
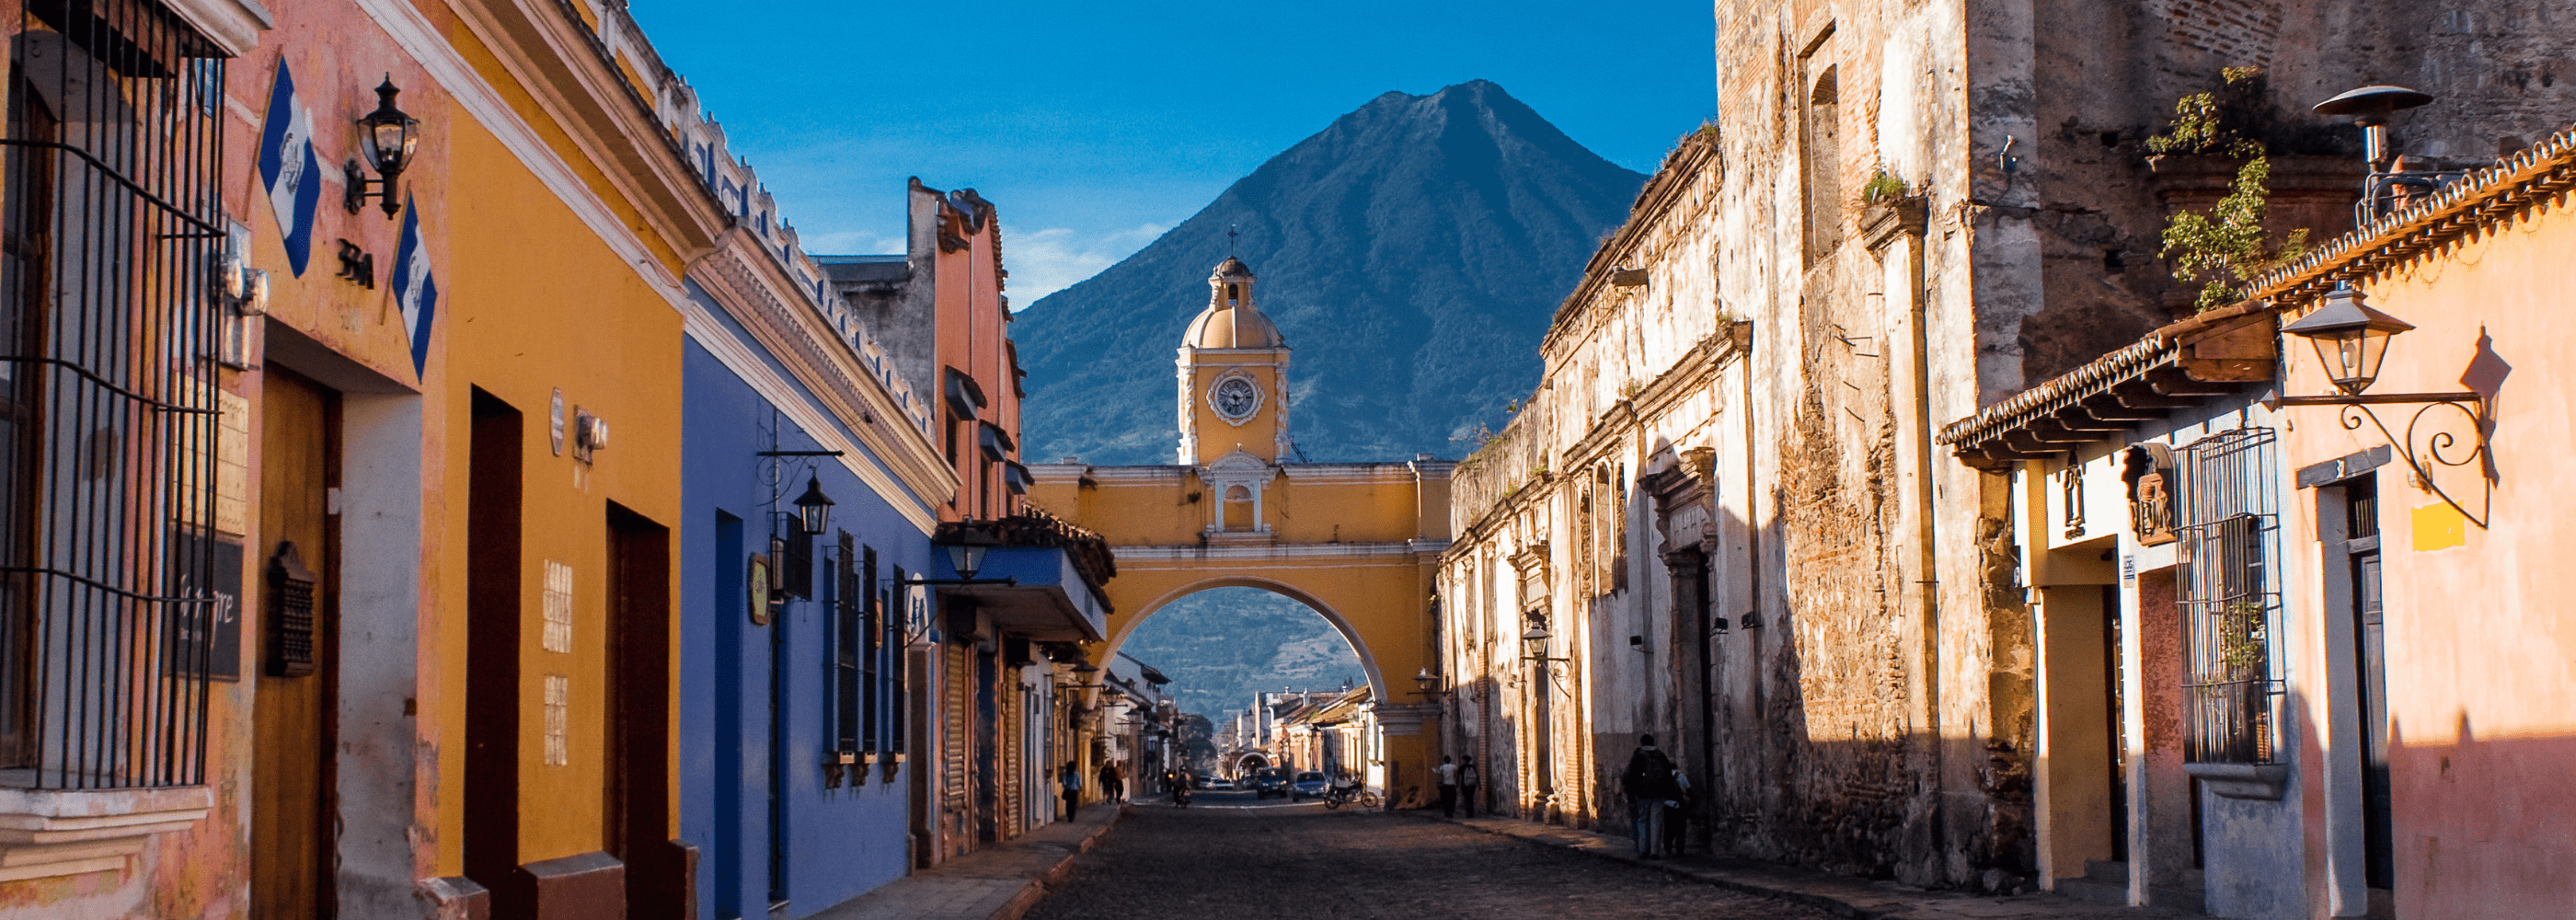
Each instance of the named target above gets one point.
<point>292,800</point>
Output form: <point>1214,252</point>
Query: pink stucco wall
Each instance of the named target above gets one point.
<point>2481,645</point>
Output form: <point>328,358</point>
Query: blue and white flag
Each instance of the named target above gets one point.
<point>288,171</point>
<point>415,291</point>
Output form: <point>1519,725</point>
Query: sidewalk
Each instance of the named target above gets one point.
<point>1843,895</point>
<point>1000,883</point>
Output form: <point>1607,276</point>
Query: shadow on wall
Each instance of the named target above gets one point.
<point>2480,825</point>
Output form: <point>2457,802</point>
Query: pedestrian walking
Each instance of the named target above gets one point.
<point>1468,780</point>
<point>1651,789</point>
<point>1448,787</point>
<point>1071,778</point>
<point>1113,786</point>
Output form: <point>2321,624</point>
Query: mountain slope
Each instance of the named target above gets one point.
<point>1411,252</point>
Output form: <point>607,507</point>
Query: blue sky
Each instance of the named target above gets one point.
<point>1094,127</point>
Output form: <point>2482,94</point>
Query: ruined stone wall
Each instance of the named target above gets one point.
<point>1870,707</point>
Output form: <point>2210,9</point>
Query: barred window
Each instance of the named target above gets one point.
<point>2231,598</point>
<point>109,233</point>
<point>847,601</point>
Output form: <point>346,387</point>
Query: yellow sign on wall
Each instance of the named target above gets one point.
<point>2439,526</point>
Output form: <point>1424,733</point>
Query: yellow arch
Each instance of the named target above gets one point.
<point>1358,543</point>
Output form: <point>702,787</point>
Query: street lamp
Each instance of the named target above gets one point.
<point>1534,642</point>
<point>1430,683</point>
<point>2352,340</point>
<point>391,137</point>
<point>814,509</point>
<point>966,551</point>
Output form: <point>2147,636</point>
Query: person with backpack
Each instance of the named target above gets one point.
<point>1651,787</point>
<point>1468,779</point>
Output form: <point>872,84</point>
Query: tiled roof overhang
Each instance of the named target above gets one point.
<point>2179,366</point>
<point>2538,173</point>
<point>2212,354</point>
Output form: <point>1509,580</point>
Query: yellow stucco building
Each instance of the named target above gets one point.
<point>1357,542</point>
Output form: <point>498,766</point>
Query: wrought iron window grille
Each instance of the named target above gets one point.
<point>111,230</point>
<point>2230,599</point>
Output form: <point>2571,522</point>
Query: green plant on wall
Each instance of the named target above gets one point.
<point>1882,187</point>
<point>2227,248</point>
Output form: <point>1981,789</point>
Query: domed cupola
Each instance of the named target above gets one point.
<point>1230,320</point>
<point>1234,377</point>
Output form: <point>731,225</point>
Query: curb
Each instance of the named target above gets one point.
<point>1834,905</point>
<point>1043,882</point>
<point>985,885</point>
<point>1860,899</point>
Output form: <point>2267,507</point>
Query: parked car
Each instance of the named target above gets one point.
<point>1269,782</point>
<point>1308,785</point>
<point>1220,783</point>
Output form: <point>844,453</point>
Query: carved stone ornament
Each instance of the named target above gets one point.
<point>2149,471</point>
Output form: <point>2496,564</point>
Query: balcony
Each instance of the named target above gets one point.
<point>1056,572</point>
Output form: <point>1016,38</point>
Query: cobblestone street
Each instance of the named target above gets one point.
<point>1232,858</point>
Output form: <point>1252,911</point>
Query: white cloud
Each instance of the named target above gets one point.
<point>1056,258</point>
<point>848,243</point>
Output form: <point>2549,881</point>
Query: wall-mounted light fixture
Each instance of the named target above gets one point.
<point>814,509</point>
<point>391,138</point>
<point>966,545</point>
<point>245,289</point>
<point>243,292</point>
<point>589,434</point>
<point>1534,643</point>
<point>2352,340</point>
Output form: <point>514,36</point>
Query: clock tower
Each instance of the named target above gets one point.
<point>1233,376</point>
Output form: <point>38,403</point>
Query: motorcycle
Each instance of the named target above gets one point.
<point>1338,796</point>
<point>1181,796</point>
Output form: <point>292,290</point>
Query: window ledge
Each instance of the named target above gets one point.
<point>2262,781</point>
<point>48,832</point>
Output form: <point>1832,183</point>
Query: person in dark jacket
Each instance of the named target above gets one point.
<point>1651,784</point>
<point>1468,781</point>
<point>1071,779</point>
<point>1112,785</point>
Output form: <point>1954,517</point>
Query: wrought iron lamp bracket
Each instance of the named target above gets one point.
<point>2436,443</point>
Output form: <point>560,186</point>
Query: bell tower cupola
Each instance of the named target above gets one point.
<point>1233,375</point>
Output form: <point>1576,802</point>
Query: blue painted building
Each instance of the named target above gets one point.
<point>794,713</point>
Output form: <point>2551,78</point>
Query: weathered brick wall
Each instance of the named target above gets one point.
<point>1878,719</point>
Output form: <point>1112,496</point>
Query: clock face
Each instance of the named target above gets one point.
<point>1235,398</point>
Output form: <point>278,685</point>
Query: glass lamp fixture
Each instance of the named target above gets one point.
<point>392,137</point>
<point>1535,642</point>
<point>2351,338</point>
<point>967,554</point>
<point>814,509</point>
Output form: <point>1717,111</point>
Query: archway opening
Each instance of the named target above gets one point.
<point>1229,652</point>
